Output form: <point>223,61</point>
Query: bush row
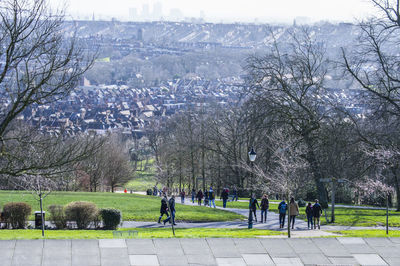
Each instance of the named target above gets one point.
<point>83,214</point>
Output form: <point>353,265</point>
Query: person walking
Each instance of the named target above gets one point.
<point>206,197</point>
<point>224,196</point>
<point>264,208</point>
<point>163,209</point>
<point>183,196</point>
<point>309,213</point>
<point>172,210</point>
<point>193,194</point>
<point>317,211</point>
<point>234,193</point>
<point>294,211</point>
<point>199,196</point>
<point>253,204</point>
<point>282,207</point>
<point>211,196</point>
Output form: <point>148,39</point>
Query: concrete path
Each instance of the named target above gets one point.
<point>209,251</point>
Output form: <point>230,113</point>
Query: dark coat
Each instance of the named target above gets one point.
<point>253,204</point>
<point>224,194</point>
<point>264,204</point>
<point>309,211</point>
<point>171,204</point>
<point>200,194</point>
<point>317,210</point>
<point>164,206</point>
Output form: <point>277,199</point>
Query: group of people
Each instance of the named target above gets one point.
<point>313,213</point>
<point>208,196</point>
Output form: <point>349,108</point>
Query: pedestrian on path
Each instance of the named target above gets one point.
<point>206,197</point>
<point>224,197</point>
<point>171,203</point>
<point>164,208</point>
<point>264,208</point>
<point>183,196</point>
<point>199,196</point>
<point>282,207</point>
<point>211,195</point>
<point>253,204</point>
<point>317,211</point>
<point>234,193</point>
<point>309,213</point>
<point>193,194</point>
<point>294,211</point>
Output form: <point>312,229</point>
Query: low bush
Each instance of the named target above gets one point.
<point>57,216</point>
<point>149,192</point>
<point>16,214</point>
<point>111,218</point>
<point>81,212</point>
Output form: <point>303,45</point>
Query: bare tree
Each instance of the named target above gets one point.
<point>288,82</point>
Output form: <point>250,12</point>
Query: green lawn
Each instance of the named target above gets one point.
<point>343,216</point>
<point>142,233</point>
<point>368,233</point>
<point>133,207</point>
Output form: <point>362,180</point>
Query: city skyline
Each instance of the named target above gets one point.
<point>222,11</point>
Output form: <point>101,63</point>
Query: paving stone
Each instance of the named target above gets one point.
<point>257,259</point>
<point>168,247</point>
<point>359,249</point>
<point>86,260</point>
<point>301,245</point>
<point>112,243</point>
<point>344,261</point>
<point>392,251</point>
<point>6,253</point>
<point>230,262</point>
<point>116,253</point>
<point>351,240</point>
<point>195,246</point>
<point>313,258</point>
<point>34,246</point>
<point>57,243</point>
<point>140,246</point>
<point>88,247</point>
<point>331,247</point>
<point>287,261</point>
<point>395,239</point>
<point>378,242</point>
<point>201,259</point>
<point>249,245</point>
<point>393,261</point>
<point>278,248</point>
<point>144,260</point>
<point>5,244</point>
<point>26,259</point>
<point>172,260</point>
<point>223,248</point>
<point>369,259</point>
<point>114,262</point>
<point>57,262</point>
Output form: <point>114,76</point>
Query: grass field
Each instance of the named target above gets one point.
<point>142,233</point>
<point>368,233</point>
<point>343,216</point>
<point>133,207</point>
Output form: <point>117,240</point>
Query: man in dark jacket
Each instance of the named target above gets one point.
<point>253,204</point>
<point>224,197</point>
<point>264,207</point>
<point>282,207</point>
<point>317,211</point>
<point>171,203</point>
<point>164,208</point>
<point>199,196</point>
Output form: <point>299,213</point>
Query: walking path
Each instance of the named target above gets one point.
<point>203,251</point>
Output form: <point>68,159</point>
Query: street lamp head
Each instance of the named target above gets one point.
<point>252,155</point>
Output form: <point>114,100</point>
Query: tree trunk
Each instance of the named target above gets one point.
<point>397,187</point>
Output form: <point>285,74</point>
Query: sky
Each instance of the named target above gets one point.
<point>222,10</point>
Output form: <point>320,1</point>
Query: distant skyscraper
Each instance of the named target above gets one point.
<point>132,13</point>
<point>157,11</point>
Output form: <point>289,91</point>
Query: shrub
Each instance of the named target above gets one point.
<point>57,216</point>
<point>97,220</point>
<point>81,212</point>
<point>301,203</point>
<point>149,192</point>
<point>111,218</point>
<point>16,214</point>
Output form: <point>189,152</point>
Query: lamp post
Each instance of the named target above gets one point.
<point>252,158</point>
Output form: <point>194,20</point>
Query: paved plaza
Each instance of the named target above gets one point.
<point>209,251</point>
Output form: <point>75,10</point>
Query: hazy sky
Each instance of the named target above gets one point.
<point>228,10</point>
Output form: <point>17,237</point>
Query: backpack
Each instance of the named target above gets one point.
<point>282,208</point>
